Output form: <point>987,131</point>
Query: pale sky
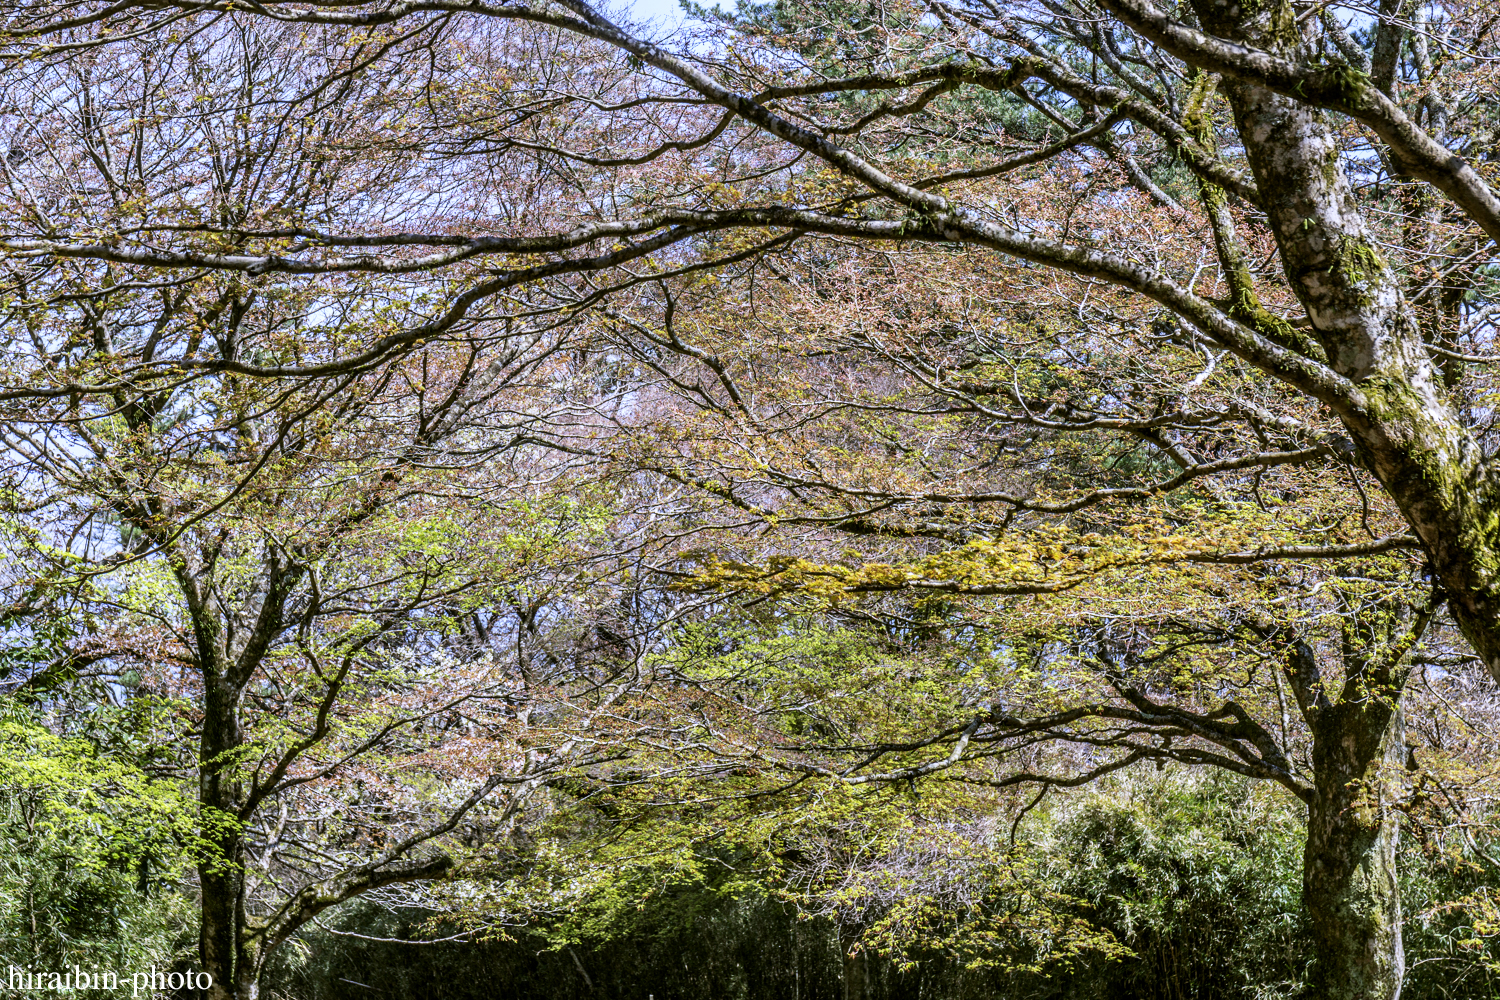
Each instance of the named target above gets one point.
<point>661,11</point>
<point>665,14</point>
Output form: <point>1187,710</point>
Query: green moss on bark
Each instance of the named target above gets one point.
<point>1356,262</point>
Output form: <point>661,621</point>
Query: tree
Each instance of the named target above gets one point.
<point>345,587</point>
<point>1317,155</point>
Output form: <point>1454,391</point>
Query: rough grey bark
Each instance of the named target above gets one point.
<point>1349,865</point>
<point>1350,892</point>
<point>1408,435</point>
<point>1396,410</point>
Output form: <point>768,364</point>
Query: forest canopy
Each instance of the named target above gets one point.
<point>498,471</point>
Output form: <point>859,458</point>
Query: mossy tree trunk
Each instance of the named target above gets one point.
<point>1350,893</point>
<point>1403,426</point>
<point>1406,431</point>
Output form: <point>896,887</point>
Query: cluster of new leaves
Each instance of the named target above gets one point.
<point>91,832</point>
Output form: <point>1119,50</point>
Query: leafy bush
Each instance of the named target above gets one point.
<point>91,851</point>
<point>1199,877</point>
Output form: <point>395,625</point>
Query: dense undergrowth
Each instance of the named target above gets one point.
<point>1198,877</point>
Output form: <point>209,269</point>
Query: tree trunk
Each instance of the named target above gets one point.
<point>221,872</point>
<point>1402,423</point>
<point>1349,867</point>
<point>230,952</point>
